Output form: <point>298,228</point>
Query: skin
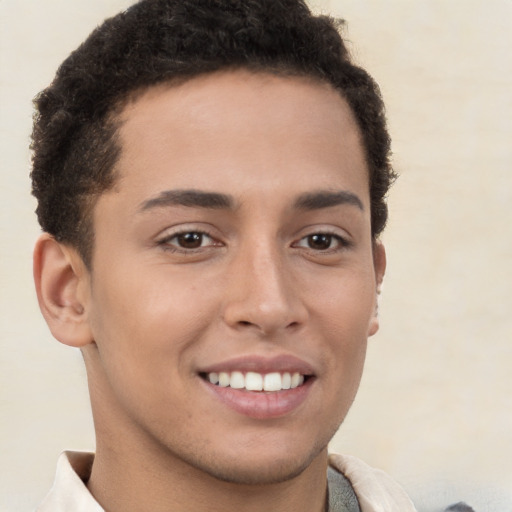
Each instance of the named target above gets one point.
<point>154,311</point>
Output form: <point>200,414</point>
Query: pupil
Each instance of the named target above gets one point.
<point>320,241</point>
<point>190,240</point>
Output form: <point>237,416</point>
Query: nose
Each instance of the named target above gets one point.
<point>262,294</point>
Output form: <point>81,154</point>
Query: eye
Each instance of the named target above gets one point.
<point>187,240</point>
<point>191,240</point>
<point>322,242</point>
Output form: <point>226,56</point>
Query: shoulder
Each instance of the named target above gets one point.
<point>375,490</point>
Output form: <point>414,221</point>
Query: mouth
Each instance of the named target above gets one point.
<point>271,382</point>
<point>260,387</point>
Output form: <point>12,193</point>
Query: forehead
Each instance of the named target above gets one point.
<point>248,125</point>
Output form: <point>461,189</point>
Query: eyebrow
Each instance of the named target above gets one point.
<point>190,198</point>
<point>218,201</point>
<point>326,199</point>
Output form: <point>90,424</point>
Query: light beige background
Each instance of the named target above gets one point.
<point>435,405</point>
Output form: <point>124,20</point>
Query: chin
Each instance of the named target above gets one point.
<point>274,472</point>
<point>258,469</point>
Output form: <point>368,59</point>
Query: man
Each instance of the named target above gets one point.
<point>211,181</point>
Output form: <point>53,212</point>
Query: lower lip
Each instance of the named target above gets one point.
<point>261,404</point>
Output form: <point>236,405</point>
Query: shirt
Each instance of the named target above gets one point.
<point>375,491</point>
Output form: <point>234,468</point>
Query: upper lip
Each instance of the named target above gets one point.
<point>261,364</point>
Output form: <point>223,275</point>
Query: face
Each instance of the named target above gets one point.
<point>234,279</point>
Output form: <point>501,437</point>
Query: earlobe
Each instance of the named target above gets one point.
<point>61,281</point>
<point>379,264</point>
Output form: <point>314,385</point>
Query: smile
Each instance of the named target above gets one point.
<point>253,381</point>
<point>260,387</point>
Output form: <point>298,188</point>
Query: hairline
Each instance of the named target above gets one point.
<point>113,121</point>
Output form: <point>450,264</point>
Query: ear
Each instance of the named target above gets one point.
<point>62,285</point>
<point>379,265</point>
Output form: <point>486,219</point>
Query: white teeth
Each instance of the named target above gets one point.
<point>253,381</point>
<point>272,382</point>
<point>224,379</point>
<point>237,380</point>
<point>295,380</point>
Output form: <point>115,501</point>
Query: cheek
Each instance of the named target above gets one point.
<point>346,303</point>
<point>344,313</point>
<point>142,325</point>
<point>143,334</point>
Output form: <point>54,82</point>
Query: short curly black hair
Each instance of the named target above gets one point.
<point>74,140</point>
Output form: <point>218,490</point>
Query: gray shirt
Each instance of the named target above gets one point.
<point>341,496</point>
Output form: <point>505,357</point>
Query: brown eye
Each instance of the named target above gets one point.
<point>187,241</point>
<point>190,240</point>
<point>323,242</point>
<point>320,241</point>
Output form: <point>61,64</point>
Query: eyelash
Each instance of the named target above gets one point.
<point>342,243</point>
<point>165,243</point>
